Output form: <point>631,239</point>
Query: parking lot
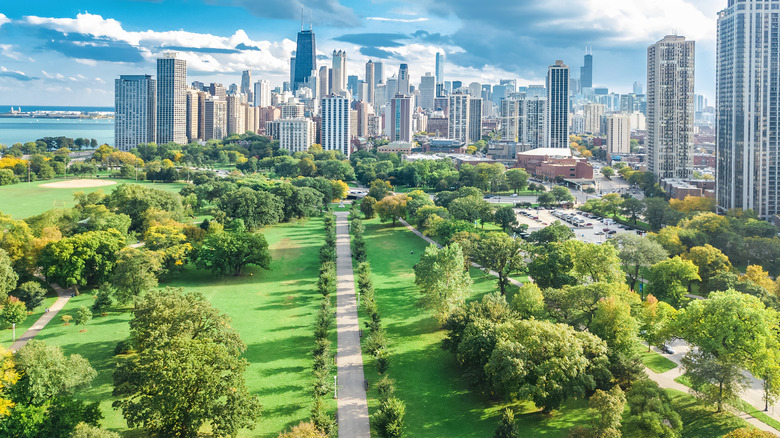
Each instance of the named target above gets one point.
<point>586,227</point>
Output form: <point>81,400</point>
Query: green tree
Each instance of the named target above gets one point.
<point>84,430</point>
<point>610,204</point>
<point>367,207</point>
<point>516,178</point>
<point>668,280</point>
<point>443,281</point>
<point>500,253</point>
<point>505,217</point>
<point>135,273</point>
<point>608,406</point>
<point>562,194</point>
<point>31,293</point>
<point>507,427</point>
<point>83,259</point>
<point>83,316</point>
<point>556,232</point>
<point>134,200</point>
<point>8,277</point>
<point>709,260</point>
<point>172,330</point>
<point>469,208</point>
<point>546,199</point>
<point>13,312</point>
<point>379,189</point>
<point>637,252</point>
<point>388,420</point>
<point>593,262</point>
<point>632,208</point>
<point>103,299</point>
<point>231,251</point>
<point>654,321</point>
<point>608,172</point>
<point>650,412</point>
<point>612,322</point>
<point>256,208</point>
<point>391,208</point>
<point>47,373</point>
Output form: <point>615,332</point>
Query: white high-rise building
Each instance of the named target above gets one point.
<point>593,113</point>
<point>618,135</point>
<point>135,105</point>
<point>439,68</point>
<point>670,115</point>
<point>236,114</point>
<point>391,88</point>
<point>339,70</point>
<point>216,119</point>
<point>296,135</point>
<point>458,120</point>
<point>335,130</point>
<point>427,91</point>
<point>262,95</point>
<point>171,99</point>
<point>403,80</point>
<point>370,81</point>
<point>747,103</point>
<point>557,124</point>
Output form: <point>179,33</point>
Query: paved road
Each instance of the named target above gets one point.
<point>352,405</point>
<point>64,296</point>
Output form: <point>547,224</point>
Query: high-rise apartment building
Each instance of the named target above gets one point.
<point>670,72</point>
<point>439,68</point>
<point>618,135</point>
<point>586,71</point>
<point>192,115</point>
<point>262,93</point>
<point>217,90</point>
<point>236,115</point>
<point>398,118</point>
<point>370,81</point>
<point>748,108</point>
<point>594,113</point>
<point>637,87</point>
<point>558,105</point>
<point>296,135</point>
<point>475,120</point>
<point>305,58</point>
<point>403,79</point>
<point>135,106</point>
<point>458,120</point>
<point>335,124</point>
<point>171,99</point>
<point>324,78</point>
<point>533,119</point>
<point>339,69</point>
<point>509,115</point>
<point>216,119</point>
<point>427,91</point>
<point>391,88</point>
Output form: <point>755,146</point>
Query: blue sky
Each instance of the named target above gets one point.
<point>69,52</point>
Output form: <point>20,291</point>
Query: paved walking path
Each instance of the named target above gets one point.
<point>64,296</point>
<point>429,240</point>
<point>352,405</point>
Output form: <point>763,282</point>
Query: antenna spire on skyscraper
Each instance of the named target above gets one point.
<point>301,18</point>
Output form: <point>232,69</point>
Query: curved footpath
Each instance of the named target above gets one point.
<point>352,412</point>
<point>64,296</point>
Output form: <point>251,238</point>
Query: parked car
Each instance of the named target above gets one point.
<point>667,349</point>
<point>599,233</point>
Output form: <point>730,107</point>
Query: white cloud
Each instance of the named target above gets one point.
<point>57,76</point>
<point>4,19</point>
<point>398,20</point>
<point>8,51</point>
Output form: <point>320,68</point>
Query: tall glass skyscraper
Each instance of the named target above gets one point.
<point>558,105</point>
<point>748,107</point>
<point>586,72</point>
<point>171,100</point>
<point>439,68</point>
<point>305,58</point>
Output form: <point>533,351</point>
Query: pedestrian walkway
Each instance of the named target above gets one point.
<point>352,405</point>
<point>64,296</point>
<point>429,240</point>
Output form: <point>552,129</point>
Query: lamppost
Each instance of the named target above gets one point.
<point>336,386</point>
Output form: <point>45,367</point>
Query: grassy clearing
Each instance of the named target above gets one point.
<point>29,199</point>
<point>272,310</point>
<point>656,362</point>
<point>700,420</point>
<point>438,401</point>
<point>6,332</point>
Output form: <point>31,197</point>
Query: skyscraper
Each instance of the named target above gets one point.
<point>439,68</point>
<point>305,57</point>
<point>637,87</point>
<point>215,120</point>
<point>747,102</point>
<point>352,84</point>
<point>670,71</point>
<point>246,84</point>
<point>458,125</point>
<point>391,87</point>
<point>475,120</point>
<point>399,118</point>
<point>586,71</point>
<point>558,105</point>
<point>427,91</point>
<point>135,105</point>
<point>403,79</point>
<point>593,113</point>
<point>335,124</point>
<point>262,94</point>
<point>379,75</point>
<point>618,135</point>
<point>324,88</point>
<point>370,80</point>
<point>171,99</point>
<point>339,68</point>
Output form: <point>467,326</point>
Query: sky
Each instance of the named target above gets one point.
<point>69,52</point>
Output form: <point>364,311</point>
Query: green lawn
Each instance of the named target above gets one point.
<point>438,401</point>
<point>29,199</point>
<point>656,362</point>
<point>272,310</point>
<point>700,420</point>
<point>6,332</point>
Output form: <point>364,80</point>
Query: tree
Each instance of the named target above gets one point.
<point>45,373</point>
<point>608,172</point>
<point>172,330</point>
<point>135,273</point>
<point>303,430</point>
<point>593,262</point>
<point>388,420</point>
<point>636,252</point>
<point>256,208</point>
<point>379,189</point>
<point>500,253</point>
<point>608,406</point>
<point>610,204</point>
<point>654,320</point>
<point>83,259</point>
<point>367,207</point>
<point>651,414</point>
<point>505,217</point>
<point>716,380</point>
<point>709,260</point>
<point>443,281</point>
<point>84,430</point>
<point>556,232</point>
<point>31,293</point>
<point>562,194</point>
<point>632,208</point>
<point>546,199</point>
<point>231,251</point>
<point>8,277</point>
<point>612,322</point>
<point>13,312</point>
<point>83,316</point>
<point>468,208</point>
<point>391,208</point>
<point>744,432</point>
<point>103,299</point>
<point>668,280</point>
<point>507,427</point>
<point>516,178</point>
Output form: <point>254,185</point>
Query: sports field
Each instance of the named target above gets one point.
<point>29,199</point>
<point>272,310</point>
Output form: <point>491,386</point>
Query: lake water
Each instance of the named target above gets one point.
<point>22,130</point>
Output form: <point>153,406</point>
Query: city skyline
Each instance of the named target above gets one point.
<point>93,44</point>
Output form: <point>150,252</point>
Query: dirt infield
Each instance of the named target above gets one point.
<point>78,184</point>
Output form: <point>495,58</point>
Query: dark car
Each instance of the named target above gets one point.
<point>667,349</point>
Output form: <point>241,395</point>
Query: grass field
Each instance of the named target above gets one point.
<point>700,420</point>
<point>28,199</point>
<point>654,361</point>
<point>438,401</point>
<point>6,332</point>
<point>272,310</point>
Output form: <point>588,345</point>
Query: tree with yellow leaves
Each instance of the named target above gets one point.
<point>693,204</point>
<point>8,377</point>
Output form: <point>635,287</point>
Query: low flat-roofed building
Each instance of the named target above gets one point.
<point>396,147</point>
<point>552,163</point>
